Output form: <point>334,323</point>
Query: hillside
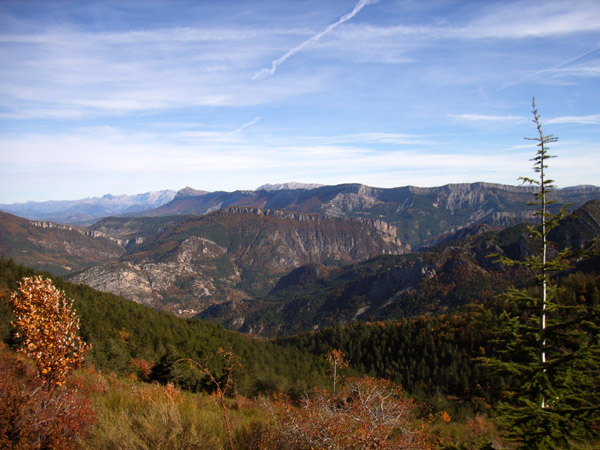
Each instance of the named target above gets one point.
<point>184,264</point>
<point>60,249</point>
<point>419,214</point>
<point>120,330</point>
<point>428,356</point>
<point>435,281</point>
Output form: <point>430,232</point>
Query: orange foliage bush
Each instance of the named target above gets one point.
<point>366,414</point>
<point>142,368</point>
<point>48,326</point>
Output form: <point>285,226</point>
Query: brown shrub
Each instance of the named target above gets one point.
<point>142,368</point>
<point>366,414</point>
<point>31,417</point>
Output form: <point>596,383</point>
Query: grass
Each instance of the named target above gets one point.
<point>139,416</point>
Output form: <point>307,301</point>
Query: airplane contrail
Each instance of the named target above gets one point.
<point>539,72</point>
<point>346,17</point>
<point>246,125</point>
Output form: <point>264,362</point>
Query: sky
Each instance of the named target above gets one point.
<point>126,97</point>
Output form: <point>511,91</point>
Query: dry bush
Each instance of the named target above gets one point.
<point>33,418</point>
<point>366,414</point>
<point>140,416</point>
<point>142,368</point>
<point>472,434</point>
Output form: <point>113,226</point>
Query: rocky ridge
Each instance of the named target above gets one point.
<point>190,263</point>
<point>419,214</point>
<point>60,249</point>
<point>434,281</point>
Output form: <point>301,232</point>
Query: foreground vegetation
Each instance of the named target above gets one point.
<point>132,396</point>
<point>100,410</point>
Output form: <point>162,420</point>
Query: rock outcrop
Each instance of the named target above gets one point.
<point>419,214</point>
<point>234,253</point>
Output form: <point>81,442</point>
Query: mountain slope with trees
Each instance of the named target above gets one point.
<point>391,287</point>
<point>188,263</point>
<point>126,336</point>
<point>60,249</point>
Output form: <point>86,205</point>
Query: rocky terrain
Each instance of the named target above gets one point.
<point>60,249</point>
<point>203,249</point>
<point>187,264</point>
<point>394,286</point>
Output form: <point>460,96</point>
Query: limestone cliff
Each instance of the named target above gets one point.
<point>193,262</point>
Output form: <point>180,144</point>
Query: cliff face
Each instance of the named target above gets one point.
<point>60,249</point>
<point>418,214</point>
<point>435,281</point>
<point>188,264</point>
<point>184,263</point>
<point>192,274</point>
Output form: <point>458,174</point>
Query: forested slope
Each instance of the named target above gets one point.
<point>431,282</point>
<point>121,330</point>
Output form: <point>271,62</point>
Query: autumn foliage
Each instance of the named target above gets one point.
<point>33,418</point>
<point>337,359</point>
<point>48,325</point>
<point>365,414</point>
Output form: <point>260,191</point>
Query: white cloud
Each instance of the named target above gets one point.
<point>482,118</point>
<point>502,20</point>
<point>593,119</point>
<point>67,74</point>
<point>97,160</point>
<point>534,19</point>
<point>367,103</point>
<point>246,125</point>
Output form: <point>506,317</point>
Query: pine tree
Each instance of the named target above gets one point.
<point>549,352</point>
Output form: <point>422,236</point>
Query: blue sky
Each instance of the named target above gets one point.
<point>121,97</point>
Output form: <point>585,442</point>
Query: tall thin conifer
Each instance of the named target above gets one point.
<point>548,353</point>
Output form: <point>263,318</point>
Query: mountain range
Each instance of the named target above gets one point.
<point>190,262</point>
<point>88,210</point>
<point>295,257</point>
<point>436,281</point>
<point>419,214</point>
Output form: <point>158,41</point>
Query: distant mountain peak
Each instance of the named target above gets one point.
<point>190,192</point>
<point>290,185</point>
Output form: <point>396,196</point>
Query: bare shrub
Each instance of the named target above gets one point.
<point>366,414</point>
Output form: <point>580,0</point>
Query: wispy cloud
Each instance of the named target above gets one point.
<point>216,137</point>
<point>482,118</point>
<point>554,69</point>
<point>149,162</point>
<point>594,119</point>
<point>368,103</point>
<point>365,138</point>
<point>486,20</point>
<point>346,17</point>
<point>524,19</point>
